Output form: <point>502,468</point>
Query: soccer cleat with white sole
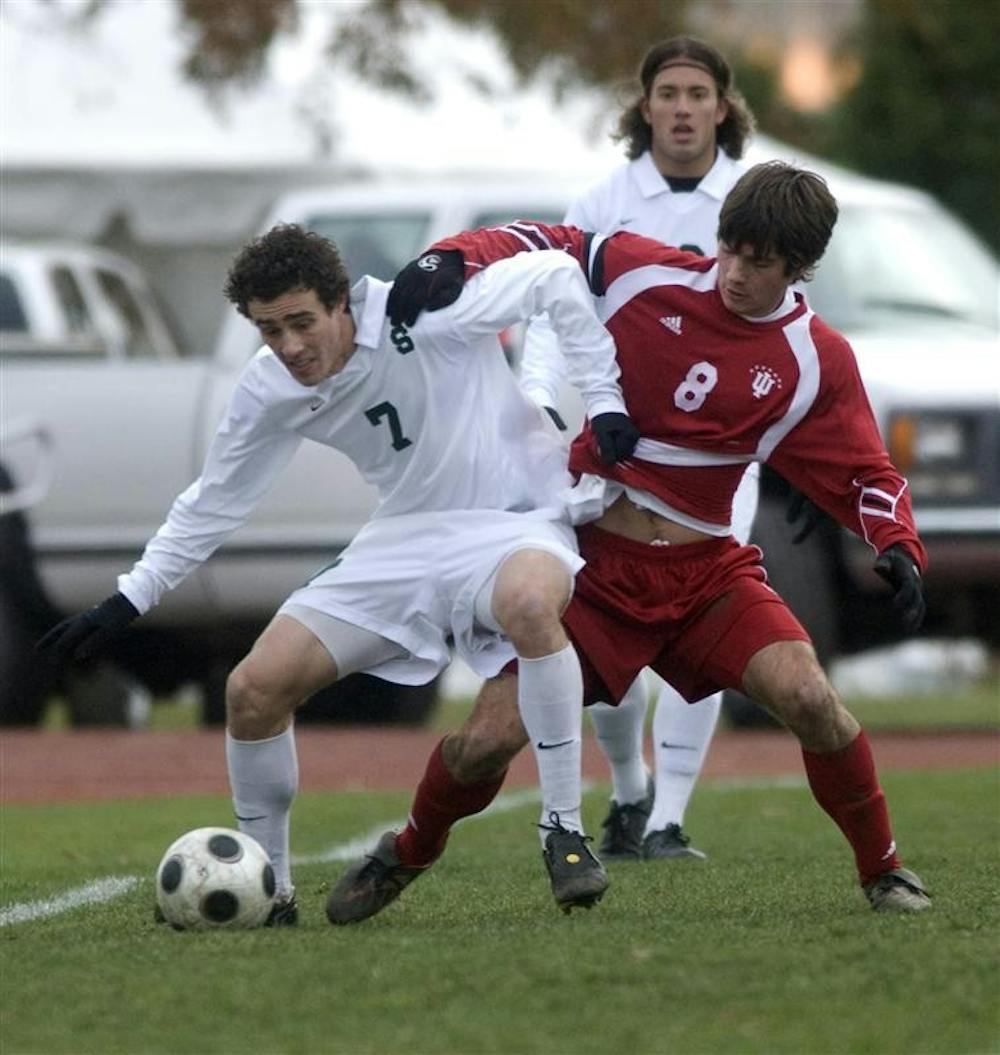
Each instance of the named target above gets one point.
<point>897,891</point>
<point>670,844</point>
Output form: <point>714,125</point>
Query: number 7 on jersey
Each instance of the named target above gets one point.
<point>386,410</point>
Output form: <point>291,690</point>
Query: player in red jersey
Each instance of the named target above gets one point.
<point>723,362</point>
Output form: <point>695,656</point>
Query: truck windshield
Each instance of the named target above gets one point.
<point>377,244</point>
<point>887,265</point>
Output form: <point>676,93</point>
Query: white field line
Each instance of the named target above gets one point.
<point>110,887</point>
<point>789,780</point>
<point>100,890</point>
<point>92,893</point>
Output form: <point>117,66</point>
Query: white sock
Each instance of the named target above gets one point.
<point>619,732</point>
<point>682,732</point>
<point>550,699</point>
<point>264,776</point>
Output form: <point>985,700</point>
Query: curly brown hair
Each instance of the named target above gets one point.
<point>775,207</point>
<point>736,128</point>
<point>285,258</point>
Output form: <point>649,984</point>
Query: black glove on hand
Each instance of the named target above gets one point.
<point>430,282</point>
<point>83,636</point>
<point>616,436</point>
<point>896,566</point>
<point>800,508</point>
<point>556,417</point>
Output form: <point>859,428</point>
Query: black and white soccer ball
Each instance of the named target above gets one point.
<point>215,877</point>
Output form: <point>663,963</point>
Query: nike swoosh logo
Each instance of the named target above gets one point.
<point>549,747</point>
<point>677,747</point>
<point>245,820</point>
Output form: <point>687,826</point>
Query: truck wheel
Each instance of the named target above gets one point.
<point>24,678</point>
<point>365,700</point>
<point>213,694</point>
<point>26,613</point>
<point>805,577</point>
<point>804,574</point>
<point>358,700</point>
<point>101,694</point>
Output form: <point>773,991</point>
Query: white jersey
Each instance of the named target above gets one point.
<point>637,198</point>
<point>432,416</point>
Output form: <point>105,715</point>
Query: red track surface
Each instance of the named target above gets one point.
<point>59,767</point>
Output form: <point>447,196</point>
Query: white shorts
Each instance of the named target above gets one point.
<point>414,580</point>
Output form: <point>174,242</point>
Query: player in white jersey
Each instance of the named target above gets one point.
<point>466,542</point>
<point>684,135</point>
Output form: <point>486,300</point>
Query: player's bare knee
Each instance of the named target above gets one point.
<point>530,614</point>
<point>253,709</point>
<point>811,709</point>
<point>531,591</point>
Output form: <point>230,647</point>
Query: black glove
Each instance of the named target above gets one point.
<point>432,281</point>
<point>801,508</point>
<point>896,566</point>
<point>83,636</point>
<point>556,417</point>
<point>616,436</point>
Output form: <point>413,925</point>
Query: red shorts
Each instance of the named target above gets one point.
<point>695,613</point>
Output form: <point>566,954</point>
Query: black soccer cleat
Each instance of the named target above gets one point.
<point>624,827</point>
<point>578,878</point>
<point>670,844</point>
<point>284,912</point>
<point>370,884</point>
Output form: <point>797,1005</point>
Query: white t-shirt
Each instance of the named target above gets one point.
<point>432,416</point>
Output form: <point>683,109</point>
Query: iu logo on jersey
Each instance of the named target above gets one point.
<point>764,381</point>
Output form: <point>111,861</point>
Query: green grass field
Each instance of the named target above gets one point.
<point>767,947</point>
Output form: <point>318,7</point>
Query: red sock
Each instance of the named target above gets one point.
<point>846,785</point>
<point>440,801</point>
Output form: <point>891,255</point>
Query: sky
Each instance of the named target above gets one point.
<point>111,93</point>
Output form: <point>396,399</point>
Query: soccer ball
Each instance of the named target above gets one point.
<point>215,877</point>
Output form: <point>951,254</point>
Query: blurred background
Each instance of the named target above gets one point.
<point>144,141</point>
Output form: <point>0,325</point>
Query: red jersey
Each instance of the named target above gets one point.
<point>710,390</point>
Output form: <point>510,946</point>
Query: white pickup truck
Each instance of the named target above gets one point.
<point>912,289</point>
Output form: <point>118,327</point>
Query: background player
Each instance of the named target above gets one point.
<point>684,136</point>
